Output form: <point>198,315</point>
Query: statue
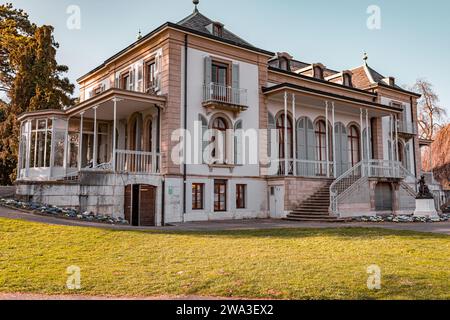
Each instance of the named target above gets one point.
<point>424,191</point>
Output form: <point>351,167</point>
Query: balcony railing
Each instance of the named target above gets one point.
<point>137,162</point>
<point>214,92</point>
<point>305,168</point>
<point>408,128</point>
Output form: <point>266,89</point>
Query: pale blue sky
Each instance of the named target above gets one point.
<point>413,41</point>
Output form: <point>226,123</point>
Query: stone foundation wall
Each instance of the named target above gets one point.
<point>297,190</point>
<point>97,192</point>
<point>7,191</point>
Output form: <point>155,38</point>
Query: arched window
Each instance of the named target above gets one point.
<point>321,146</point>
<point>281,127</point>
<point>136,133</point>
<point>219,127</point>
<point>354,144</point>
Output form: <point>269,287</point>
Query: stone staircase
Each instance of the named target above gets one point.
<point>315,208</point>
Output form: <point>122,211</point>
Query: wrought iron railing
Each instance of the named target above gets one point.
<point>137,162</point>
<point>214,92</point>
<point>407,127</point>
<point>342,186</point>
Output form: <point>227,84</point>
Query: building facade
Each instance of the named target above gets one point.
<point>193,123</point>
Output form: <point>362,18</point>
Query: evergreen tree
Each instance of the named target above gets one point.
<point>30,79</point>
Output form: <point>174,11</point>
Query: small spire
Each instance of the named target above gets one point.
<point>365,58</point>
<point>139,37</point>
<point>196,2</point>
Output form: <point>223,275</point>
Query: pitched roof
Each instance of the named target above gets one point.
<point>198,22</point>
<point>364,77</point>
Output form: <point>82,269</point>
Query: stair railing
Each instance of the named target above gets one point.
<point>343,183</point>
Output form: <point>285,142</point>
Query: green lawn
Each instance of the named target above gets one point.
<point>298,264</point>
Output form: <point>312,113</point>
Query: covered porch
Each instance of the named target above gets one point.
<point>117,131</point>
<point>318,134</point>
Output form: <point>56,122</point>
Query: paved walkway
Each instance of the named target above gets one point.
<point>263,224</point>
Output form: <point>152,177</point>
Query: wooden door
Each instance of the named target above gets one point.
<point>128,203</point>
<point>147,206</point>
<point>383,197</point>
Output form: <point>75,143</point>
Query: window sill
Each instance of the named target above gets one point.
<point>222,166</point>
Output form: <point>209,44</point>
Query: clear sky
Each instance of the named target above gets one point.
<point>413,41</point>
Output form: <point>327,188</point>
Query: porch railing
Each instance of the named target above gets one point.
<point>305,168</point>
<point>340,188</point>
<point>214,92</point>
<point>407,127</point>
<point>137,161</point>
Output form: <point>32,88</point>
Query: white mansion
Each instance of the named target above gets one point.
<point>330,144</point>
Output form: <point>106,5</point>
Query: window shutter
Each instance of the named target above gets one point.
<point>140,78</point>
<point>208,70</point>
<point>238,144</point>
<point>301,147</point>
<point>117,82</point>
<point>235,83</point>
<point>310,141</point>
<point>158,70</point>
<point>271,127</point>
<point>408,157</point>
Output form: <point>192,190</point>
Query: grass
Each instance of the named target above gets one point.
<point>281,264</point>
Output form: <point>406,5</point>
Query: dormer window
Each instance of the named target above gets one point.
<point>284,64</point>
<point>318,72</point>
<point>347,80</point>
<point>218,30</point>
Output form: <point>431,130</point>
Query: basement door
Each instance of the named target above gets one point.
<point>383,197</point>
<point>140,205</point>
<point>276,201</point>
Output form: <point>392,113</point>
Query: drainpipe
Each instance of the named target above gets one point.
<point>163,200</point>
<point>185,121</point>
<point>414,140</point>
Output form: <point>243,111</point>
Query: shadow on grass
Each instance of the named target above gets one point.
<point>349,233</point>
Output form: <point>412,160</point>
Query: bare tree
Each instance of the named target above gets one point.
<point>431,115</point>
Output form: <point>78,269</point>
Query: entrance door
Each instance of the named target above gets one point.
<point>147,206</point>
<point>383,197</point>
<point>140,205</point>
<point>276,201</point>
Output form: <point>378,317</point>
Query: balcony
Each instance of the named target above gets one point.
<point>216,96</point>
<point>407,129</point>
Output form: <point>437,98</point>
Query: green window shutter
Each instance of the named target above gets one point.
<point>207,70</point>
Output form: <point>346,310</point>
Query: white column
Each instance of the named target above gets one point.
<point>28,153</point>
<point>66,147</point>
<point>94,160</point>
<point>368,141</point>
<point>52,153</point>
<point>361,134</point>
<point>334,141</point>
<point>114,167</point>
<point>45,142</point>
<point>327,139</point>
<point>397,158</point>
<point>80,142</point>
<point>294,134</point>
<point>286,169</point>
